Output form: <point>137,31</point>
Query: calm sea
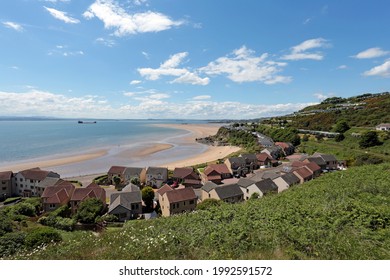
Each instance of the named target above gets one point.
<point>26,140</point>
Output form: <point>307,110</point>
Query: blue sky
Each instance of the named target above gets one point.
<point>188,59</point>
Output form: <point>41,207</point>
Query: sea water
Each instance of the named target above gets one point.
<point>22,141</point>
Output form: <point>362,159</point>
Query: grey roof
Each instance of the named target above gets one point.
<point>319,160</point>
<point>251,157</point>
<point>209,186</point>
<point>244,182</point>
<point>326,157</point>
<point>124,199</point>
<point>270,175</point>
<point>157,170</point>
<point>290,179</point>
<point>237,160</point>
<point>133,171</point>
<point>131,188</point>
<point>228,191</point>
<point>48,182</point>
<point>266,185</point>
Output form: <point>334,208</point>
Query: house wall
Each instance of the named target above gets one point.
<point>233,199</point>
<point>5,188</point>
<point>168,209</point>
<point>23,186</point>
<point>282,185</point>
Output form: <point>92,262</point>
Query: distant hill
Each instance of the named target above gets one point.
<point>367,110</point>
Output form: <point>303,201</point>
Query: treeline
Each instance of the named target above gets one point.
<point>240,138</point>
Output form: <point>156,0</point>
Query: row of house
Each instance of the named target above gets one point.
<point>151,176</point>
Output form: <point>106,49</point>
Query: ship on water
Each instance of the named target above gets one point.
<point>86,122</point>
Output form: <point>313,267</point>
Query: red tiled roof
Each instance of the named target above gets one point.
<point>81,194</point>
<point>220,168</point>
<point>262,156</point>
<point>93,185</point>
<point>181,195</point>
<point>117,169</point>
<point>164,189</point>
<point>58,194</point>
<point>314,167</point>
<point>283,145</point>
<point>34,174</point>
<point>298,164</point>
<point>6,175</point>
<point>303,172</point>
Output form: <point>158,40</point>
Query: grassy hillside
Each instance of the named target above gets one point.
<point>341,215</point>
<point>370,110</point>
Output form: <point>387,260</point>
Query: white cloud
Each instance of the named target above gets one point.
<point>42,103</point>
<point>322,96</point>
<point>243,66</point>
<point>300,51</point>
<point>56,1</point>
<point>382,70</point>
<point>191,78</point>
<point>201,97</point>
<point>135,82</point>
<point>106,42</point>
<point>170,68</point>
<point>115,17</point>
<point>371,53</point>
<point>146,55</point>
<point>13,25</point>
<point>61,15</point>
<point>153,104</point>
<point>63,51</point>
<point>341,67</point>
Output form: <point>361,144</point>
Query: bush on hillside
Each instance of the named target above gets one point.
<point>41,236</point>
<point>89,210</point>
<point>11,243</point>
<point>209,203</point>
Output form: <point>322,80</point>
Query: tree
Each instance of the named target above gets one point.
<point>117,181</point>
<point>135,181</point>
<point>341,127</point>
<point>89,210</point>
<point>147,197</point>
<point>339,137</point>
<point>369,139</point>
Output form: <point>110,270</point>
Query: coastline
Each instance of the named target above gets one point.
<point>172,152</point>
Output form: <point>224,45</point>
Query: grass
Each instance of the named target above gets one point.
<point>348,149</point>
<point>341,215</point>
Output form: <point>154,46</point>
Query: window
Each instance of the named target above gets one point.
<point>4,188</point>
<point>21,185</point>
<point>31,181</point>
<point>192,201</point>
<point>173,206</point>
<point>52,206</point>
<point>184,203</point>
<point>21,179</point>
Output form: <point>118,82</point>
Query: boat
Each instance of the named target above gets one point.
<point>84,122</point>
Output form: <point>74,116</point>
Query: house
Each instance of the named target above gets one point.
<point>288,148</point>
<point>274,152</point>
<point>251,162</point>
<point>217,172</point>
<point>383,127</point>
<point>265,175</point>
<point>47,182</point>
<point>318,160</point>
<point>81,194</point>
<point>314,168</point>
<point>262,187</point>
<point>248,187</point>
<point>205,190</point>
<point>228,193</point>
<point>331,161</point>
<point>26,182</point>
<point>237,166</point>
<point>156,176</point>
<point>116,171</point>
<point>56,196</point>
<point>297,157</point>
<point>285,181</point>
<point>187,177</point>
<point>131,188</point>
<point>5,184</point>
<point>303,174</point>
<point>264,159</point>
<point>135,172</point>
<point>264,140</point>
<point>178,201</point>
<point>158,193</point>
<point>125,205</point>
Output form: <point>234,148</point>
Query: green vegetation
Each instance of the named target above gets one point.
<point>280,134</point>
<point>101,180</point>
<point>341,215</point>
<point>147,197</point>
<point>369,139</point>
<point>89,210</point>
<point>240,138</point>
<point>209,203</point>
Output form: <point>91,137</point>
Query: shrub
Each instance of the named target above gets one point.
<point>25,209</point>
<point>63,211</point>
<point>5,224</point>
<point>42,235</point>
<point>367,159</point>
<point>339,137</point>
<point>89,210</point>
<point>11,243</point>
<point>209,203</point>
<point>369,139</point>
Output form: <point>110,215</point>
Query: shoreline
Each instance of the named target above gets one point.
<point>171,152</point>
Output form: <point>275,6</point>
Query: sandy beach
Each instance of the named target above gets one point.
<point>150,153</point>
